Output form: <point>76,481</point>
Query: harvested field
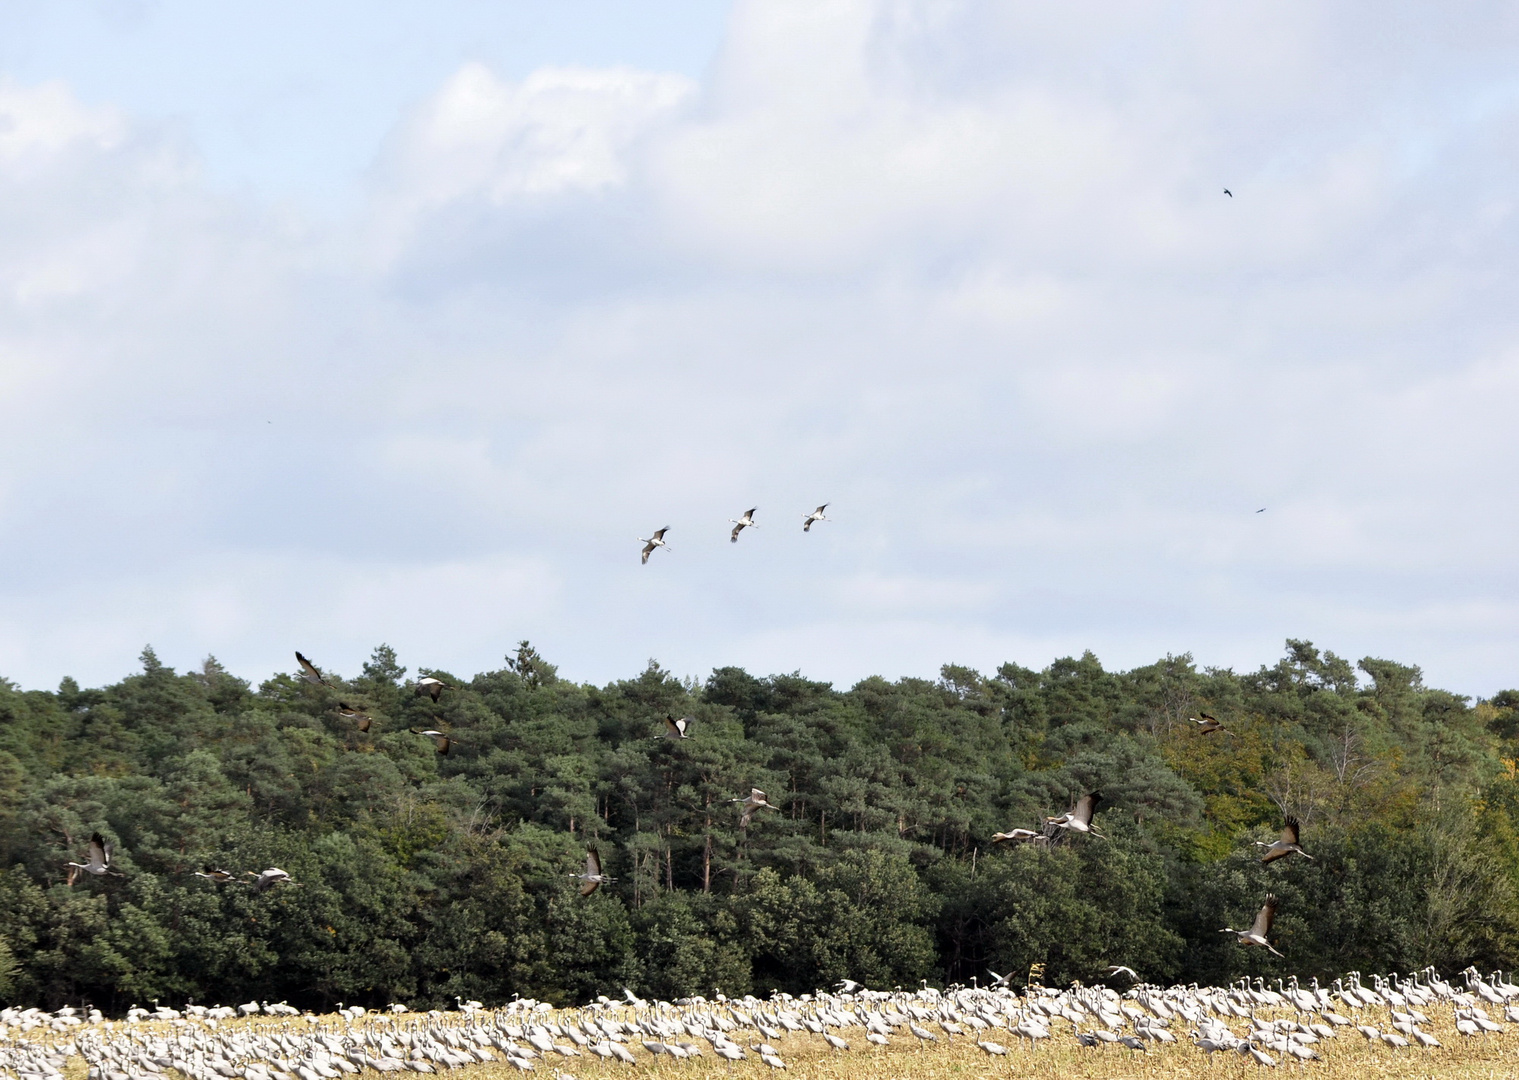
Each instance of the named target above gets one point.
<point>963,1033</point>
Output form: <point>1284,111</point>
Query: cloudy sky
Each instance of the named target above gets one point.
<point>327,325</point>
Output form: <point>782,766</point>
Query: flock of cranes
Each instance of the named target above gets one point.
<point>745,521</point>
<point>1079,820</point>
<point>1359,1026</point>
<point>971,1013</point>
<point>99,863</point>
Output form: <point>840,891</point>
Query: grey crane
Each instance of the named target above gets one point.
<point>310,672</point>
<point>677,729</point>
<point>1287,845</point>
<point>742,523</point>
<point>361,719</point>
<point>269,878</point>
<point>1079,817</point>
<point>1256,935</point>
<point>655,541</point>
<point>218,876</point>
<point>593,877</point>
<point>814,517</point>
<point>432,687</point>
<point>441,742</point>
<point>1207,725</point>
<point>1017,836</point>
<point>100,857</point>
<point>753,802</point>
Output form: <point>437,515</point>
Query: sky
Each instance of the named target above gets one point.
<point>323,326</point>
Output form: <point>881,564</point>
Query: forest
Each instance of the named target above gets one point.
<point>420,877</point>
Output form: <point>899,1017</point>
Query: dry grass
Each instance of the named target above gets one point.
<point>1061,1058</point>
<point>1349,1056</point>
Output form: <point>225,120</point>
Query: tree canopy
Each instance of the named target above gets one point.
<point>422,876</point>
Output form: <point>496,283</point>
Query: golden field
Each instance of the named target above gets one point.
<point>1350,1055</point>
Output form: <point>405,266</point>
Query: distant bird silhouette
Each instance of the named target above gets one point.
<point>349,712</point>
<point>1228,193</point>
<point>1262,510</point>
<point>310,672</point>
<point>432,687</point>
<point>812,518</point>
<point>220,877</point>
<point>100,857</point>
<point>742,523</point>
<point>1256,935</point>
<point>593,877</point>
<point>676,729</point>
<point>1287,845</point>
<point>655,541</point>
<point>439,740</point>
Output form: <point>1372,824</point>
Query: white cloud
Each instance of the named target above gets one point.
<point>559,132</point>
<point>39,123</point>
<point>965,271</point>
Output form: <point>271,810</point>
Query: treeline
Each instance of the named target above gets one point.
<point>423,876</point>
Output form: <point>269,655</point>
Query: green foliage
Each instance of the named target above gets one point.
<point>422,877</point>
<point>8,968</point>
